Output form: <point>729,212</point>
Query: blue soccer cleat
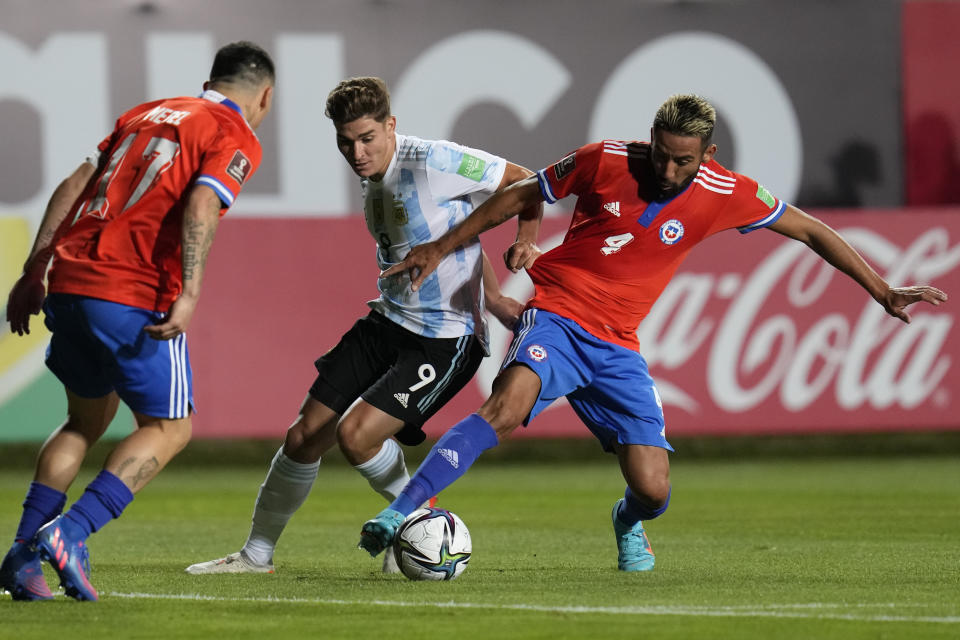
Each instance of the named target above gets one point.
<point>633,548</point>
<point>22,574</point>
<point>377,534</point>
<point>69,558</point>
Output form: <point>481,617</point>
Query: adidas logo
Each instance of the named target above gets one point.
<point>613,207</point>
<point>402,398</point>
<point>450,456</point>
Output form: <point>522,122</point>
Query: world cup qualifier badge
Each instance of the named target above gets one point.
<point>671,231</point>
<point>537,353</point>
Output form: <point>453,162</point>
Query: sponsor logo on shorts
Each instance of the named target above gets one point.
<point>671,231</point>
<point>239,167</point>
<point>563,168</point>
<point>536,352</point>
<point>450,456</point>
<point>402,398</point>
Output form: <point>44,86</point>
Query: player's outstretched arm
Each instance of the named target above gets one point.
<point>200,219</point>
<point>26,297</point>
<point>423,259</point>
<point>798,225</point>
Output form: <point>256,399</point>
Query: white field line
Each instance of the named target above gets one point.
<point>813,610</point>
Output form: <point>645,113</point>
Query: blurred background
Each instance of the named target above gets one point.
<point>847,109</point>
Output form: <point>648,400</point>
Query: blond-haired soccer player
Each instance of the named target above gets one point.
<point>641,207</point>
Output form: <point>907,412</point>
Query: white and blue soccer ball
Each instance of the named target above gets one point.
<point>432,544</point>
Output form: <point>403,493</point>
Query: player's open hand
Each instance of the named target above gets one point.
<point>521,255</point>
<point>899,298</point>
<point>25,300</point>
<point>181,311</point>
<point>420,262</point>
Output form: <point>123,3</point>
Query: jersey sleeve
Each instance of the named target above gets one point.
<point>753,207</point>
<point>454,171</point>
<point>572,174</point>
<point>227,164</point>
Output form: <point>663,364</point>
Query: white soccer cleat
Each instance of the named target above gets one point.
<point>233,563</point>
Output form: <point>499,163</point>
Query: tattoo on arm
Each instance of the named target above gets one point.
<point>197,240</point>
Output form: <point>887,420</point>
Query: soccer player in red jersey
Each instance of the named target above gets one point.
<point>641,207</point>
<point>129,233</point>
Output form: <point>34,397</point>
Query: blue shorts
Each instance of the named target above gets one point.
<point>607,385</point>
<point>99,346</point>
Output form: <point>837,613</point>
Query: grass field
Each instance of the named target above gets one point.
<point>841,547</point>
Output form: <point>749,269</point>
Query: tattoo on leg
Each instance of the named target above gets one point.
<point>147,470</point>
<point>123,465</point>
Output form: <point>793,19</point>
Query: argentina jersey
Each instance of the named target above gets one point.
<point>429,187</point>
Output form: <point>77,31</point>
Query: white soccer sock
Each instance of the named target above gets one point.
<point>285,488</point>
<point>387,471</point>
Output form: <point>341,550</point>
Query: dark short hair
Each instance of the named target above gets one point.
<point>243,63</point>
<point>357,98</point>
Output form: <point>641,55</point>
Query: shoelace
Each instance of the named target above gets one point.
<point>633,542</point>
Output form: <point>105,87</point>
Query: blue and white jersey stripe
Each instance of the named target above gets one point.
<point>772,217</point>
<point>545,189</point>
<point>430,186</point>
<point>226,195</point>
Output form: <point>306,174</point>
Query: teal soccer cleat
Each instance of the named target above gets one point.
<point>69,558</point>
<point>633,548</point>
<point>377,534</point>
<point>22,574</point>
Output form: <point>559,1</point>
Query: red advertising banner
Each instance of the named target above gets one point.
<point>755,334</point>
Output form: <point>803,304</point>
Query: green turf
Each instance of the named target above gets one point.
<point>815,548</point>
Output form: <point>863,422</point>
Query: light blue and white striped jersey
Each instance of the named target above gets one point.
<point>429,187</point>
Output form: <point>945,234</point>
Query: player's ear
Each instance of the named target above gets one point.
<point>266,98</point>
<point>709,152</point>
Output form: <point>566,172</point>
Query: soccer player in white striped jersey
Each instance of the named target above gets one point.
<point>415,349</point>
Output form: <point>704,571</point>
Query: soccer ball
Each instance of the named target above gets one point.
<point>432,544</point>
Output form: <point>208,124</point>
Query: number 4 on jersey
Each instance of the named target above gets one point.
<point>615,243</point>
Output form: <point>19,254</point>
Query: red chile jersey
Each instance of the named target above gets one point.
<point>623,245</point>
<point>124,243</point>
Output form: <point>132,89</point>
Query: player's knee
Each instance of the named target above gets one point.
<point>178,434</point>
<point>354,442</point>
<point>653,491</point>
<point>503,414</point>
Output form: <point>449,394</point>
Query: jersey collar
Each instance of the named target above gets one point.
<point>216,96</point>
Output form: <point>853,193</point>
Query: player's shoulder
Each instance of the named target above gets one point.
<point>713,178</point>
<point>621,148</point>
<point>412,150</point>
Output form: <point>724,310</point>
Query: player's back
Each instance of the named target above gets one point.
<point>124,243</point>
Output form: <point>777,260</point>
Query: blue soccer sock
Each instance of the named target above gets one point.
<point>41,505</point>
<point>449,459</point>
<point>632,510</point>
<point>104,499</point>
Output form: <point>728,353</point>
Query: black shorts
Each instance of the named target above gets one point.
<point>395,370</point>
